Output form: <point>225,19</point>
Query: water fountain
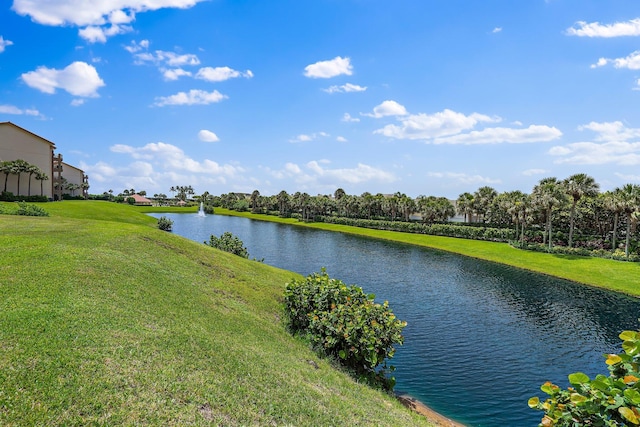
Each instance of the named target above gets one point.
<point>201,210</point>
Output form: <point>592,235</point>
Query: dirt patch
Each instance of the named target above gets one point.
<point>430,414</point>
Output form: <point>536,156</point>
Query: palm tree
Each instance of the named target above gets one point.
<point>613,204</point>
<point>41,176</point>
<point>5,168</point>
<point>283,202</point>
<point>19,166</point>
<point>547,195</point>
<point>254,201</point>
<point>31,170</point>
<point>464,205</point>
<point>629,198</point>
<point>482,200</point>
<point>578,186</point>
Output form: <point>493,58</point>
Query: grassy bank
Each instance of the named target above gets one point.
<point>106,320</point>
<point>603,273</point>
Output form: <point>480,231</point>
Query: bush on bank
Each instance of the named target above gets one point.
<point>345,323</point>
<point>602,401</point>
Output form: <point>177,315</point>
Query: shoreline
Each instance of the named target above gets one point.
<point>432,416</point>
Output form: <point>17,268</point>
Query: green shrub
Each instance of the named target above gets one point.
<point>229,243</point>
<point>30,210</point>
<point>165,224</point>
<point>345,323</point>
<point>602,401</point>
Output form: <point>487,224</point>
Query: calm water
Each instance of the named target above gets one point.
<point>481,337</point>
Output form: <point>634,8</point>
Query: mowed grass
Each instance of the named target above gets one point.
<point>106,320</point>
<point>617,276</point>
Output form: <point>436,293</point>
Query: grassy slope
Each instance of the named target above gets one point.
<point>614,275</point>
<point>106,320</point>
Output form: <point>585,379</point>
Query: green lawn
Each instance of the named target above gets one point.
<point>618,276</point>
<point>106,320</point>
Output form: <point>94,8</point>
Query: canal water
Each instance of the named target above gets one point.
<point>481,337</point>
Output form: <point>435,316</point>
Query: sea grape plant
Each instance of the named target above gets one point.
<point>345,323</point>
<point>612,400</point>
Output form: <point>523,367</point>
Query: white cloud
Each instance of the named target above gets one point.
<point>438,125</point>
<point>94,34</point>
<point>591,153</point>
<point>77,102</point>
<point>359,174</point>
<point>135,47</point>
<point>463,178</point>
<point>175,73</point>
<point>595,29</point>
<point>172,158</point>
<point>207,136</point>
<point>631,62</point>
<point>345,88</point>
<point>387,108</point>
<point>531,172</point>
<point>78,78</point>
<point>4,43</point>
<point>219,74</point>
<point>171,59</point>
<point>496,30</point>
<point>611,131</point>
<point>347,118</point>
<point>500,135</point>
<point>12,109</point>
<point>309,137</point>
<point>627,177</point>
<point>341,139</point>
<point>613,146</point>
<point>327,69</point>
<point>99,19</point>
<point>193,97</point>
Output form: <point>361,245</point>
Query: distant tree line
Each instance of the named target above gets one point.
<point>567,216</point>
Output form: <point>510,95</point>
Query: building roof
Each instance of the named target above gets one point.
<point>30,133</point>
<point>140,199</point>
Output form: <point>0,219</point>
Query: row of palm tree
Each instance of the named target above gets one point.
<point>573,206</point>
<point>19,167</point>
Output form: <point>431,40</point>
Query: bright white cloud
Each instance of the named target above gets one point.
<point>591,153</point>
<point>207,136</point>
<point>175,74</point>
<point>531,172</point>
<point>500,135</point>
<point>162,57</point>
<point>78,78</point>
<point>631,62</point>
<point>4,43</point>
<point>327,69</point>
<point>220,74</point>
<point>387,108</point>
<point>361,173</point>
<point>94,34</point>
<point>595,29</point>
<point>309,137</point>
<point>612,146</point>
<point>12,109</point>
<point>341,139</point>
<point>108,16</point>
<point>349,87</point>
<point>611,131</point>
<point>168,157</point>
<point>347,118</point>
<point>193,97</point>
<point>496,30</point>
<point>463,178</point>
<point>438,125</point>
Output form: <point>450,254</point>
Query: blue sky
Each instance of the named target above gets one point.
<point>424,97</point>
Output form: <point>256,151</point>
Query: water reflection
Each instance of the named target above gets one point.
<point>481,337</point>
